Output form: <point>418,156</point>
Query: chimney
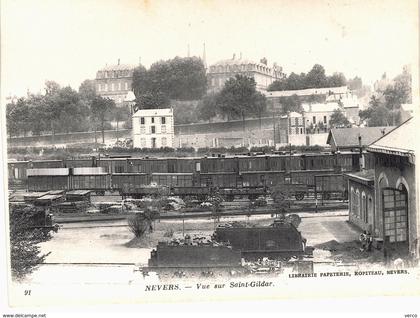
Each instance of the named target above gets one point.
<point>118,61</point>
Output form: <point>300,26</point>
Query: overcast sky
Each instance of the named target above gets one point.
<point>68,41</point>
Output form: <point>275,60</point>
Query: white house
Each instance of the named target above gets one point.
<point>153,128</point>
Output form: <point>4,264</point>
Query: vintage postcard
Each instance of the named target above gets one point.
<point>202,151</point>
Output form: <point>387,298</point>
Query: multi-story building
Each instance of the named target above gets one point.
<point>153,128</point>
<point>114,82</point>
<point>221,71</point>
<point>327,94</point>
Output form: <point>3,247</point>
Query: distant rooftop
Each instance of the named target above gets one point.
<point>349,137</point>
<point>320,107</point>
<point>309,91</point>
<point>154,112</point>
<point>118,67</point>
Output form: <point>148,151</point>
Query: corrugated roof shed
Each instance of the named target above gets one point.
<point>349,137</point>
<point>403,140</point>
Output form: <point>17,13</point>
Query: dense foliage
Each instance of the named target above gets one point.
<point>59,110</point>
<point>338,119</point>
<point>238,99</point>
<point>178,79</point>
<point>385,106</point>
<point>24,237</point>
<point>315,78</point>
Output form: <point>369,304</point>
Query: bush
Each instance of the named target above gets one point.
<point>138,224</point>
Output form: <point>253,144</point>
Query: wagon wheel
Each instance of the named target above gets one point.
<point>299,196</point>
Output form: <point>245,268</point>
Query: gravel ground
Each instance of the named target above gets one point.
<point>106,242</point>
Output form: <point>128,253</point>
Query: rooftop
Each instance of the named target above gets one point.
<point>320,107</point>
<point>237,61</point>
<point>401,141</point>
<point>309,91</point>
<point>118,67</point>
<point>349,137</point>
<point>154,112</point>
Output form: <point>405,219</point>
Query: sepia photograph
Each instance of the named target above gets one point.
<point>209,151</point>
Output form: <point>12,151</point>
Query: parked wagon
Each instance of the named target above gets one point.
<point>128,184</point>
<point>330,186</point>
<point>93,178</point>
<point>48,179</point>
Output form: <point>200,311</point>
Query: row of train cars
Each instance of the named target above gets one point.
<point>248,175</point>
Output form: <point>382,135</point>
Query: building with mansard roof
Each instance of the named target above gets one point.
<point>220,72</point>
<point>114,82</point>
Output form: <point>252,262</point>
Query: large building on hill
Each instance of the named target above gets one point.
<point>220,72</point>
<point>153,128</point>
<point>114,82</point>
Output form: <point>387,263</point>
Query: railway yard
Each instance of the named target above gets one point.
<point>76,245</point>
<point>94,200</point>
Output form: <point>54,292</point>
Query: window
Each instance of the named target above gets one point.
<point>314,119</point>
<point>141,120</point>
<point>163,129</point>
<point>126,86</point>
<point>106,87</point>
<point>297,121</point>
<point>152,129</point>
<point>142,129</point>
<point>142,142</point>
<point>99,87</point>
<point>153,120</point>
<point>119,86</point>
<point>112,87</point>
<point>163,120</point>
<point>325,119</point>
<point>163,141</point>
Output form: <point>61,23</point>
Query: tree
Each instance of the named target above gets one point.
<point>338,119</point>
<point>281,198</point>
<point>260,106</point>
<point>87,91</point>
<point>355,83</point>
<point>24,237</point>
<point>216,199</point>
<point>291,104</point>
<point>207,107</point>
<point>151,100</point>
<point>140,82</point>
<point>188,78</point>
<point>101,109</point>
<point>296,81</point>
<point>336,80</point>
<point>384,109</point>
<point>18,117</point>
<point>316,77</point>
<point>238,98</point>
<point>179,79</point>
